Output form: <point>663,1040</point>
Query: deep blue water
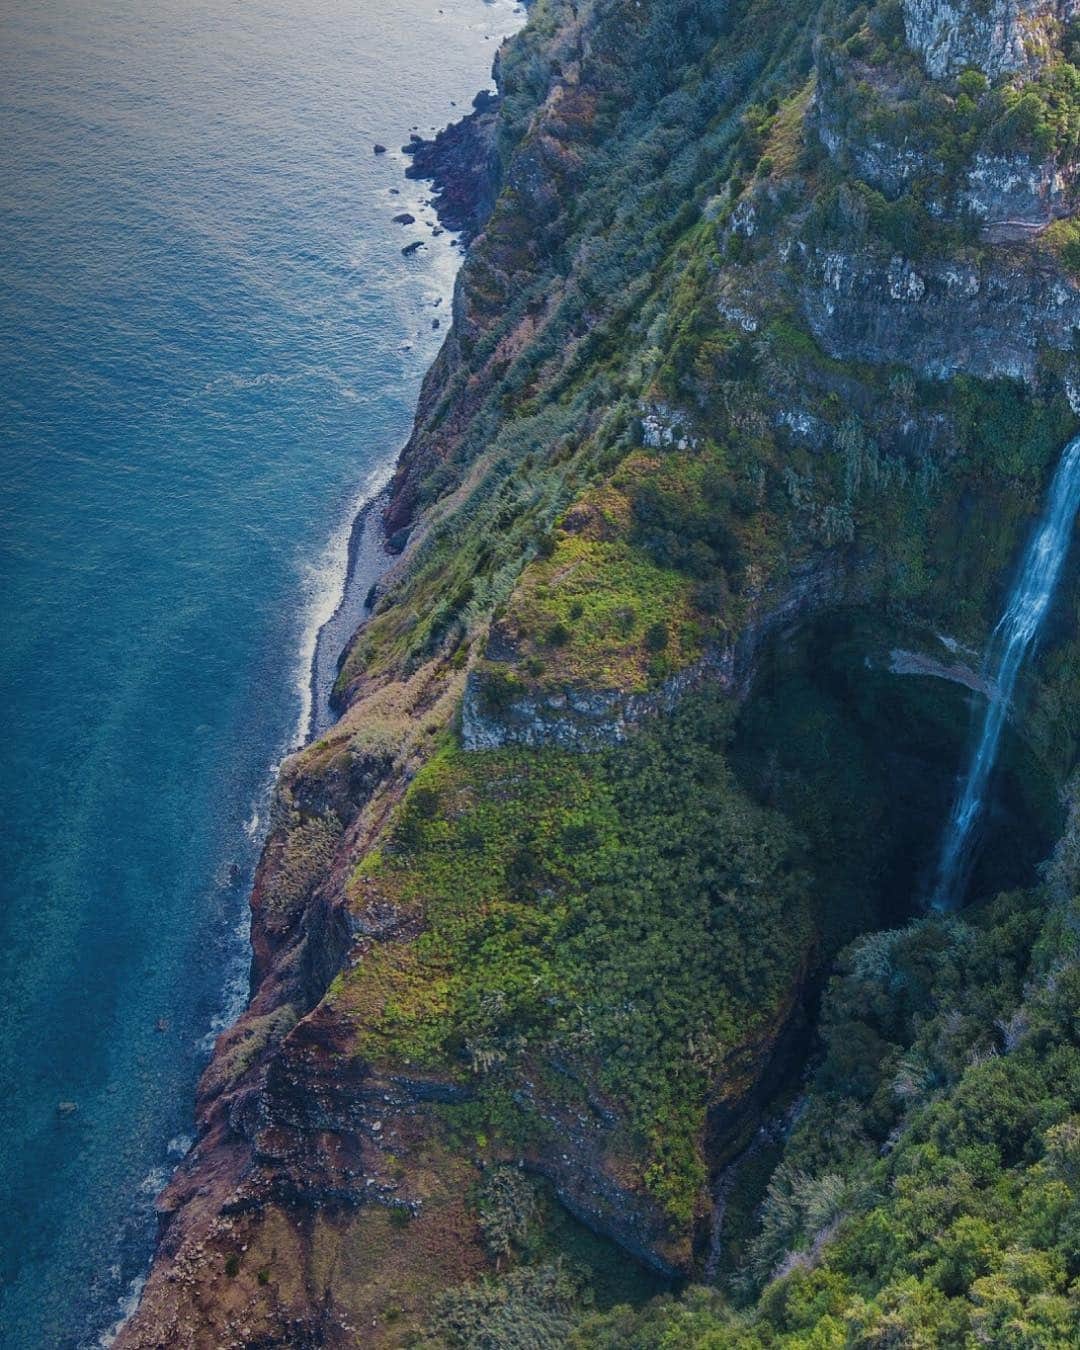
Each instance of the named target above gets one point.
<point>209,344</point>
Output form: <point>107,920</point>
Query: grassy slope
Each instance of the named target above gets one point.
<point>630,912</point>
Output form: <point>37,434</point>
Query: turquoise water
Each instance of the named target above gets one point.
<point>211,345</point>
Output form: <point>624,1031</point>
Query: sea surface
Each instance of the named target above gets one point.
<point>210,347</point>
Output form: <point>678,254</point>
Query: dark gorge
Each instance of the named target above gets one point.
<point>859,730</point>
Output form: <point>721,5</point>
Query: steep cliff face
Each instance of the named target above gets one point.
<point>1002,37</point>
<point>744,345</point>
<point>941,317</point>
<point>971,113</point>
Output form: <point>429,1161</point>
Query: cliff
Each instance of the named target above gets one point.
<point>760,360</point>
<point>1004,37</point>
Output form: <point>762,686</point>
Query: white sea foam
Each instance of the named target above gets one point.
<point>323,586</point>
<point>155,1181</point>
<point>234,988</point>
<point>126,1306</point>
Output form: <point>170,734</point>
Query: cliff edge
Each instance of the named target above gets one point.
<point>760,360</point>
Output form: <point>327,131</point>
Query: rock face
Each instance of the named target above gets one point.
<point>989,320</point>
<point>577,719</point>
<point>463,167</point>
<point>998,37</point>
<point>1012,193</point>
<point>1016,196</point>
<point>903,662</point>
<point>1013,196</point>
<point>588,719</point>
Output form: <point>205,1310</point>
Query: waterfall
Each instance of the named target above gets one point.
<point>1010,643</point>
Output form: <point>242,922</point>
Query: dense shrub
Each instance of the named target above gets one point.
<point>933,1197</point>
<point>612,907</point>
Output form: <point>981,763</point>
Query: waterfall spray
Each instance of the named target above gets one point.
<point>1010,643</point>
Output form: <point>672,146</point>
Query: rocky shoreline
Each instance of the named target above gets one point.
<point>367,560</point>
<point>461,164</point>
<point>234,1167</point>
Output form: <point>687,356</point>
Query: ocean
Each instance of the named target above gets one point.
<point>210,347</point>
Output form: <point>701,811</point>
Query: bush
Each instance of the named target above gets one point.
<point>499,689</point>
<point>507,1208</point>
<point>425,802</point>
<point>656,637</point>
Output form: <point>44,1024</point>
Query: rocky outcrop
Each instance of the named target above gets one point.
<point>889,168</point>
<point>463,167</point>
<point>1013,197</point>
<point>586,719</point>
<point>988,319</point>
<point>1016,196</point>
<point>902,662</point>
<point>998,37</point>
<point>576,719</point>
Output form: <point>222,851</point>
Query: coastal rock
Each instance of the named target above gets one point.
<point>462,166</point>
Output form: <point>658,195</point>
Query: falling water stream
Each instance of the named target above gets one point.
<point>1012,639</point>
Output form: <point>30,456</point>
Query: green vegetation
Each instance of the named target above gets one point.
<point>1063,241</point>
<point>634,452</point>
<point>547,1268</point>
<point>584,614</point>
<point>532,1305</point>
<point>553,403</point>
<point>308,850</point>
<point>930,1191</point>
<point>610,910</point>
